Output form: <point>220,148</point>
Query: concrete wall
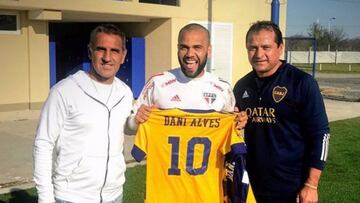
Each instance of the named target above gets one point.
<point>24,64</point>
<point>39,77</point>
<point>324,57</point>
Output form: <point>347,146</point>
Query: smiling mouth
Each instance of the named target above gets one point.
<point>260,61</point>
<point>190,61</point>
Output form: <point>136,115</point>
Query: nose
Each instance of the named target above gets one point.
<point>259,53</point>
<point>190,52</point>
<point>106,56</point>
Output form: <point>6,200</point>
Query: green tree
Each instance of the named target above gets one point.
<point>326,39</point>
<point>320,34</point>
<point>336,36</point>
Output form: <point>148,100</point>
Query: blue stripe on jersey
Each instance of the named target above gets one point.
<point>239,148</point>
<point>194,110</point>
<point>137,153</point>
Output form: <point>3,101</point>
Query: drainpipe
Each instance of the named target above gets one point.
<point>275,10</point>
<point>210,21</point>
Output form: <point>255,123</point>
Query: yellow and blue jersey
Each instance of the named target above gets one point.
<point>185,154</point>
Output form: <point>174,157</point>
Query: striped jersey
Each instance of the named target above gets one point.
<point>172,89</point>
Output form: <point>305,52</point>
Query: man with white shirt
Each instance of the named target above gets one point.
<point>82,122</point>
<point>189,86</point>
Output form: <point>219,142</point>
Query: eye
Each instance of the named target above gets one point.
<point>198,47</point>
<point>266,47</point>
<point>100,49</point>
<point>116,51</point>
<point>182,48</point>
<point>251,48</point>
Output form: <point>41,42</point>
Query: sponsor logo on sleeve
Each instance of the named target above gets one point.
<point>168,82</point>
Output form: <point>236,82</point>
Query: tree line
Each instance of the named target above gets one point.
<point>327,40</point>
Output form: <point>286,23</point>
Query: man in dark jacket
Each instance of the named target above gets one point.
<point>287,133</point>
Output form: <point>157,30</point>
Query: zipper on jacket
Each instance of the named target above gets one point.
<point>108,155</point>
<point>108,145</point>
<point>108,134</point>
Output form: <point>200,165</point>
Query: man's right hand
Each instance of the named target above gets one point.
<point>241,118</point>
<point>143,113</point>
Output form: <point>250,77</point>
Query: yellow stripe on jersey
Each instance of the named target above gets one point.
<point>185,154</point>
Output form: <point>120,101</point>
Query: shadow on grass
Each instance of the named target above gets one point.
<point>20,196</point>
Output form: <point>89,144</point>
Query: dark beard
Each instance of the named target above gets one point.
<point>197,72</point>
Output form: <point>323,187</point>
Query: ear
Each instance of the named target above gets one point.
<point>209,51</point>
<point>124,56</point>
<point>281,47</point>
<point>89,52</point>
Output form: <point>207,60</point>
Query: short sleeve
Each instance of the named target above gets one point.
<point>139,149</point>
<point>234,138</point>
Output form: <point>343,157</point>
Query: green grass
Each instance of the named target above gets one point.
<point>331,67</point>
<point>341,178</point>
<point>134,189</point>
<point>21,196</point>
<point>340,182</point>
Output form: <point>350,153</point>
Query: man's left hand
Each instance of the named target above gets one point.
<point>308,195</point>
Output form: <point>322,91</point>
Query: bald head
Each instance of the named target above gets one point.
<point>194,27</point>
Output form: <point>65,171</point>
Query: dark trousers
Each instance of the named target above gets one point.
<point>276,199</point>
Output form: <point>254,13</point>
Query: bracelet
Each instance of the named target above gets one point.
<point>311,186</point>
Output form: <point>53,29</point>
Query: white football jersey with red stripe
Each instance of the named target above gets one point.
<point>172,89</point>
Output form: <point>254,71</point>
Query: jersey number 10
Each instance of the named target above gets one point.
<point>175,142</point>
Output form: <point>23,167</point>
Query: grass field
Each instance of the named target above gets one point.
<point>341,177</point>
<point>331,67</point>
<point>340,182</point>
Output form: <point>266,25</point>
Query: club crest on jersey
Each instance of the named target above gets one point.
<point>279,93</point>
<point>209,97</point>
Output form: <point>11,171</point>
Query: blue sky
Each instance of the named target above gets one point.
<point>302,13</point>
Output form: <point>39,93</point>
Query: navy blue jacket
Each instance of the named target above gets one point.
<point>287,131</point>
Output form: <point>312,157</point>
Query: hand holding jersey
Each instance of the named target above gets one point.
<point>241,118</point>
<point>143,113</point>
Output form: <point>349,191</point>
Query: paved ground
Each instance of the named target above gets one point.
<point>344,87</point>
<point>17,130</point>
<point>17,133</point>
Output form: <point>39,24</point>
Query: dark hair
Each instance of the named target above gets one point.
<point>265,25</point>
<point>191,27</point>
<point>108,29</point>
